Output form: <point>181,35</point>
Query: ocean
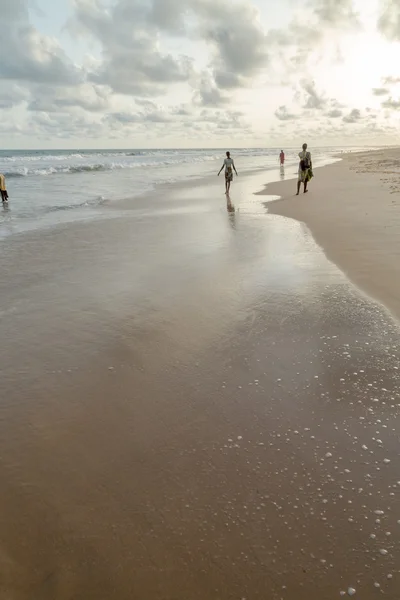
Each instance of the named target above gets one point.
<point>49,188</point>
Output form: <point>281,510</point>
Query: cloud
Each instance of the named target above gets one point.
<point>124,118</point>
<point>207,92</point>
<point>390,80</point>
<point>132,62</point>
<point>231,29</point>
<point>11,95</point>
<point>389,20</point>
<point>334,113</point>
<point>149,112</point>
<point>283,114</point>
<point>132,59</point>
<point>313,37</point>
<point>238,42</point>
<point>353,117</point>
<point>391,104</point>
<point>86,96</point>
<point>65,126</point>
<point>313,100</point>
<point>335,13</point>
<point>211,122</point>
<point>221,121</point>
<point>380,91</point>
<point>28,56</point>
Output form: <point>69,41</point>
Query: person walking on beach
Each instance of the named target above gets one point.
<point>229,165</point>
<point>305,169</point>
<point>3,190</point>
<point>282,158</point>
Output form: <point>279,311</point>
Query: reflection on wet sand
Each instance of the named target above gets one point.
<point>230,207</point>
<point>282,172</point>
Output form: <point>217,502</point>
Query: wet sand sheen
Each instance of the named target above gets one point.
<point>205,408</point>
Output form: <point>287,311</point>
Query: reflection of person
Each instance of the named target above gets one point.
<point>229,165</point>
<point>3,190</point>
<point>231,213</point>
<point>305,169</point>
<point>282,158</point>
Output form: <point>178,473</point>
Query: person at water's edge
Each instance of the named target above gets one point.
<point>229,168</point>
<point>305,169</point>
<point>3,189</point>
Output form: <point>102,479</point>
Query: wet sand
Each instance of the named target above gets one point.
<point>194,404</point>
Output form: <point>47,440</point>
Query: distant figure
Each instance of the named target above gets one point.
<point>3,191</point>
<point>305,169</point>
<point>229,165</point>
<point>282,158</point>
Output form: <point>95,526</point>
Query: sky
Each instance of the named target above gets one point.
<point>199,73</point>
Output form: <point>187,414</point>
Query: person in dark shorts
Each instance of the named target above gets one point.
<point>229,166</point>
<point>3,190</point>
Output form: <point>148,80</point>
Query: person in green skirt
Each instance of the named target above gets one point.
<point>305,169</point>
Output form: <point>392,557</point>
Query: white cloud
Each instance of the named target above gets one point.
<point>314,100</point>
<point>390,80</point>
<point>208,93</point>
<point>335,113</point>
<point>391,104</point>
<point>282,113</point>
<point>335,13</point>
<point>389,21</point>
<point>90,97</point>
<point>131,32</point>
<point>11,94</point>
<point>28,56</point>
<point>380,91</point>
<point>353,117</point>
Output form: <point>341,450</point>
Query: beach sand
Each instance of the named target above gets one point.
<point>195,404</point>
<point>353,211</point>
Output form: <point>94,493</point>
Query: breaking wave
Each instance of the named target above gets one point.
<point>73,169</point>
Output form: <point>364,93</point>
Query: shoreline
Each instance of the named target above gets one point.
<point>100,208</point>
<point>352,210</point>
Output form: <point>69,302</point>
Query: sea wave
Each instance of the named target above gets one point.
<point>99,201</point>
<point>73,169</point>
<point>65,157</point>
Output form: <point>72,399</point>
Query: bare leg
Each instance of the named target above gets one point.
<point>229,187</point>
<point>305,187</point>
<point>298,188</point>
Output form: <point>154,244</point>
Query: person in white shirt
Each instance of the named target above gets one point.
<point>229,168</point>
